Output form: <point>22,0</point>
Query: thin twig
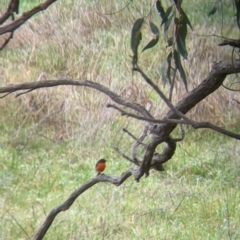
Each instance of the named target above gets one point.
<point>161,94</point>
<point>142,135</point>
<point>230,89</point>
<point>7,40</point>
<point>5,95</point>
<point>132,136</point>
<point>19,94</point>
<point>125,156</point>
<point>16,221</point>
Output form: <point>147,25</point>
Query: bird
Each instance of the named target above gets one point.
<point>100,166</point>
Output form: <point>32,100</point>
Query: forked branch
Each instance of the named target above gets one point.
<point>15,24</point>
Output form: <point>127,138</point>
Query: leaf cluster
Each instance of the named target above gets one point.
<point>173,18</point>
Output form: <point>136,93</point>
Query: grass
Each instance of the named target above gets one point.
<point>51,138</point>
<point>197,196</point>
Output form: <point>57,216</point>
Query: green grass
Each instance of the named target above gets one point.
<point>51,138</point>
<point>195,198</point>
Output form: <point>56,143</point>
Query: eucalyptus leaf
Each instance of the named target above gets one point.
<point>136,35</point>
<point>154,41</point>
<point>180,69</point>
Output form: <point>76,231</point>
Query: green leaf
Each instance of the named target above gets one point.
<point>164,15</point>
<point>181,46</point>
<point>181,34</point>
<point>151,44</point>
<point>154,41</point>
<point>237,5</point>
<point>160,10</point>
<point>167,25</point>
<point>185,19</point>
<point>154,29</point>
<point>182,13</point>
<point>169,10</point>
<point>180,69</point>
<point>215,7</point>
<point>136,35</point>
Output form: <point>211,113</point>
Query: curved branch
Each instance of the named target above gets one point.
<point>117,181</point>
<point>12,7</point>
<point>160,93</point>
<point>12,26</point>
<point>230,89</point>
<point>77,82</point>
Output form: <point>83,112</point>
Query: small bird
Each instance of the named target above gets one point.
<point>100,166</point>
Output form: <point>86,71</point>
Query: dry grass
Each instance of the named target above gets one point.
<point>79,40</point>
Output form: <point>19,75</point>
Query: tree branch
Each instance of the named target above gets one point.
<point>160,93</point>
<point>126,157</point>
<point>12,26</point>
<point>214,80</point>
<point>230,42</point>
<point>77,82</point>
<point>190,122</point>
<point>12,7</point>
<point>117,181</point>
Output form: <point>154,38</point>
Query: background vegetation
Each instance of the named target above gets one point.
<point>51,138</point>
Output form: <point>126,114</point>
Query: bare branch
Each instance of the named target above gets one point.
<point>7,40</point>
<point>160,93</point>
<point>12,26</point>
<point>136,139</point>
<point>230,89</point>
<point>125,113</point>
<point>230,42</point>
<point>236,101</point>
<point>142,136</point>
<point>15,24</point>
<point>5,95</point>
<point>77,82</point>
<point>19,94</point>
<point>217,129</point>
<point>117,181</point>
<point>12,7</point>
<point>190,122</point>
<point>126,157</point>
<point>20,226</point>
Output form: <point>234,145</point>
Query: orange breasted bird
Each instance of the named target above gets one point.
<point>100,166</point>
